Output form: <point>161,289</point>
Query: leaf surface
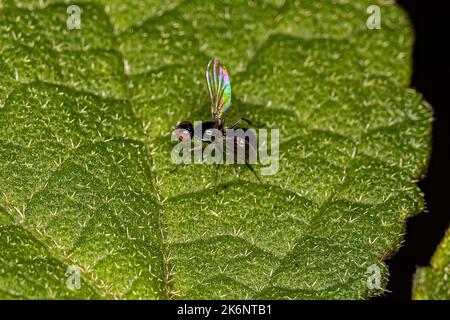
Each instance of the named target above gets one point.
<point>432,283</point>
<point>85,168</point>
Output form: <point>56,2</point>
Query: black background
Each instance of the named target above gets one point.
<point>431,78</point>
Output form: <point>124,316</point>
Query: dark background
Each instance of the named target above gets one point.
<point>431,78</point>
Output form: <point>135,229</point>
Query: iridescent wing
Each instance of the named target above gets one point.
<point>219,88</point>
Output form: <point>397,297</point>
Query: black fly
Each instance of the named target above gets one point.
<point>219,88</point>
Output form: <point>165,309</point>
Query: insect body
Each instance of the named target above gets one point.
<point>219,88</point>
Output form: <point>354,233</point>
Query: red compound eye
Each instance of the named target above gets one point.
<point>183,135</point>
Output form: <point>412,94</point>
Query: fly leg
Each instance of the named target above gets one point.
<point>245,120</point>
<point>193,149</point>
<point>254,172</point>
<point>216,177</point>
<point>173,170</point>
<point>239,121</point>
<point>196,148</point>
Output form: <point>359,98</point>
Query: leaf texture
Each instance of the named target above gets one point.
<point>85,169</point>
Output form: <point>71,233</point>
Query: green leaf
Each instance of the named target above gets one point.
<point>85,169</point>
<point>432,283</point>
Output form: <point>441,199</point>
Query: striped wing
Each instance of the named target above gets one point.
<point>219,88</point>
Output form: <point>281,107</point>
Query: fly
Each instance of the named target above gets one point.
<point>219,88</point>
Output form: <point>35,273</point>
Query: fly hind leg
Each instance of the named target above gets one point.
<point>216,177</point>
<point>253,171</point>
